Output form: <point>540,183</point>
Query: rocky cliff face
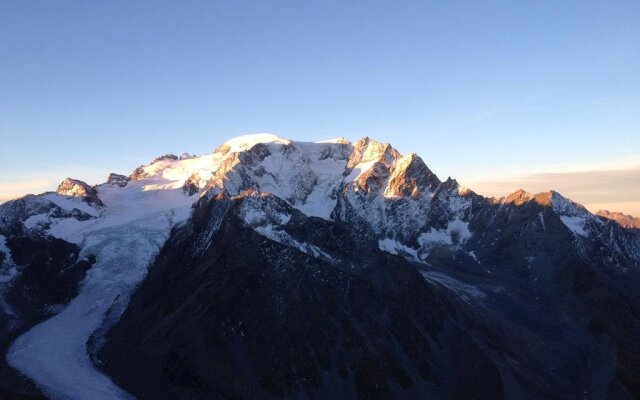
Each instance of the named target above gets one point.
<point>117,179</point>
<point>75,188</point>
<point>281,269</point>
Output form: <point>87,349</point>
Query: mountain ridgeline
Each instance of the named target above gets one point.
<point>275,269</point>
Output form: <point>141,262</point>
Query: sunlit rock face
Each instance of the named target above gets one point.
<point>410,177</point>
<point>272,268</point>
<point>626,221</point>
<point>76,188</point>
<point>191,185</point>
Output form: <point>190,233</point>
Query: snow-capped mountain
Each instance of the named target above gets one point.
<point>271,268</point>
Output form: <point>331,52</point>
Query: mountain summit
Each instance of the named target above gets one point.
<point>272,268</point>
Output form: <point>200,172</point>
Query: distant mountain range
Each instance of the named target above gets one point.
<point>273,269</point>
<point>626,221</point>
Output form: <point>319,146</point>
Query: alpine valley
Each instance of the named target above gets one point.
<point>276,269</point>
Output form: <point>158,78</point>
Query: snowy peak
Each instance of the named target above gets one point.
<point>76,188</point>
<point>303,174</point>
<point>563,206</point>
<point>246,142</point>
<point>367,183</point>
<point>573,215</point>
<point>521,196</point>
<point>546,199</point>
<point>410,176</point>
<point>367,150</point>
<point>518,197</point>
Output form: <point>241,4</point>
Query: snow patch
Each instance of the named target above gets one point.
<point>323,198</point>
<point>36,220</point>
<point>279,235</point>
<point>266,220</point>
<point>71,203</point>
<point>575,225</point>
<point>358,170</point>
<point>394,247</point>
<point>3,246</point>
<point>456,233</point>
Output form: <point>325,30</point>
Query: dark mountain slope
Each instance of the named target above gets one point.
<point>251,318</point>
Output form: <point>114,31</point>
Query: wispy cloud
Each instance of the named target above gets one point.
<point>12,190</point>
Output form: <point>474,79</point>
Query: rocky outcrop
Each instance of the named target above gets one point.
<point>366,150</point>
<point>410,177</point>
<point>77,188</point>
<point>192,185</point>
<point>166,157</point>
<point>118,180</point>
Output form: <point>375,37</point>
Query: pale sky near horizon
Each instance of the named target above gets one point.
<point>500,95</point>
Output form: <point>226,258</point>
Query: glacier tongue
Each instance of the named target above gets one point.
<point>54,353</point>
<point>125,238</point>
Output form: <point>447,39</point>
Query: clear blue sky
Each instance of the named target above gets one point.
<point>479,89</point>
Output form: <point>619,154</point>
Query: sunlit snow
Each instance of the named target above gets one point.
<point>125,237</point>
